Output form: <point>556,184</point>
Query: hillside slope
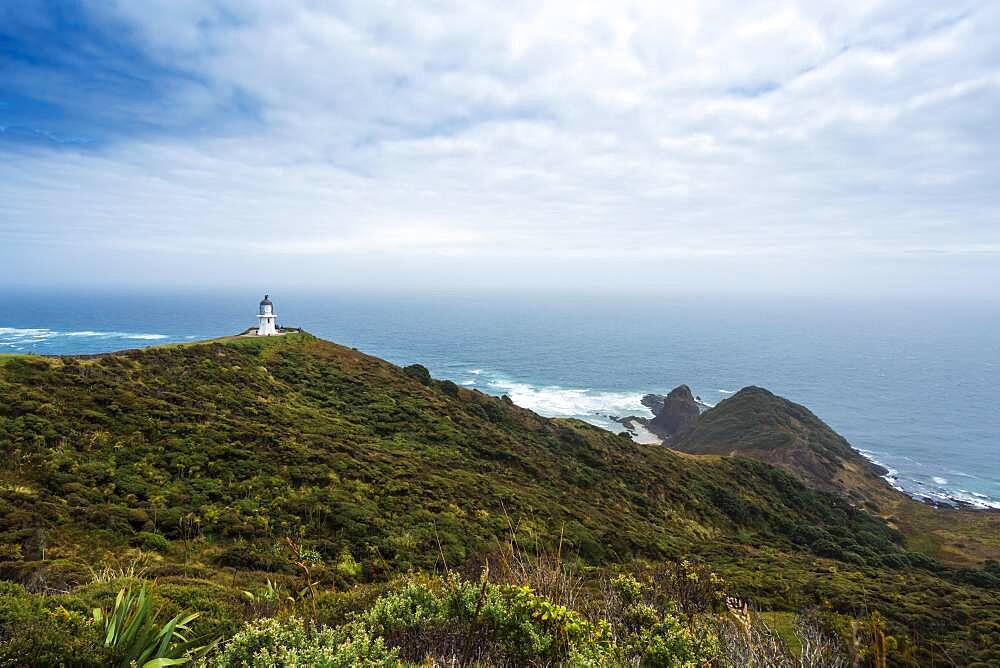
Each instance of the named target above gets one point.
<point>758,424</point>
<point>252,437</point>
<point>211,454</point>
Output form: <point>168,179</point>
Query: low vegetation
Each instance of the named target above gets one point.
<point>668,615</point>
<point>291,488</point>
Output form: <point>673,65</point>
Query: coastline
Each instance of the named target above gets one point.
<point>637,428</point>
<point>970,501</point>
<point>533,396</point>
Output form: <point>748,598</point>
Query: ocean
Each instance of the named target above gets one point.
<point>913,385</point>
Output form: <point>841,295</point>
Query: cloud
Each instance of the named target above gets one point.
<point>694,132</point>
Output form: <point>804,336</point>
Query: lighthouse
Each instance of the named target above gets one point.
<point>266,317</point>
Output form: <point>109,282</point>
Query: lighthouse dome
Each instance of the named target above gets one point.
<point>266,306</point>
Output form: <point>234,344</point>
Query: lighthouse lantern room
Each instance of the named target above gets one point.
<point>266,317</point>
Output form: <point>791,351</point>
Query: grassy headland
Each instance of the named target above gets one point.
<point>756,424</point>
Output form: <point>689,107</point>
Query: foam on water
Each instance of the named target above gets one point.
<point>943,494</point>
<point>41,339</point>
<point>118,335</point>
<point>953,497</point>
<point>18,332</point>
<point>594,406</point>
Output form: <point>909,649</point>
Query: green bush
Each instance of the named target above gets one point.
<point>648,631</point>
<point>448,387</point>
<point>35,632</point>
<point>275,643</point>
<point>151,541</point>
<point>253,557</point>
<point>419,373</point>
<point>457,621</point>
<point>347,567</point>
<point>492,410</point>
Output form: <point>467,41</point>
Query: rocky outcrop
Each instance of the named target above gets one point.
<point>678,414</point>
<point>654,402</point>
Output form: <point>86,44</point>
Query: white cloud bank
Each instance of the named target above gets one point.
<point>811,144</point>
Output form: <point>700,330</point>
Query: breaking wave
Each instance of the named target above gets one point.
<point>119,335</point>
<point>594,406</point>
<point>42,339</point>
<point>557,401</point>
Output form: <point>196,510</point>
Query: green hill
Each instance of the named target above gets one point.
<point>204,459</point>
<point>757,424</point>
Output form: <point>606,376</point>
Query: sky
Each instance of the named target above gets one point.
<point>835,148</point>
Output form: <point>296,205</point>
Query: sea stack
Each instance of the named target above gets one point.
<point>678,414</point>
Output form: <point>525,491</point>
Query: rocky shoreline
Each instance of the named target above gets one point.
<point>674,415</point>
<point>841,467</point>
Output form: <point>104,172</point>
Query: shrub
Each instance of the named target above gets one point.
<point>460,621</point>
<point>572,437</point>
<point>895,561</point>
<point>448,387</point>
<point>921,560</point>
<point>853,558</point>
<point>151,541</point>
<point>347,567</point>
<point>493,411</point>
<point>827,548</point>
<point>252,557</point>
<point>647,630</point>
<point>450,621</point>
<point>419,373</point>
<point>690,586</point>
<point>271,643</point>
<point>476,410</point>
<point>565,633</point>
<point>730,504</point>
<point>33,633</point>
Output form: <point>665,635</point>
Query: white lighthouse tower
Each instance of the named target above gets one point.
<point>266,317</point>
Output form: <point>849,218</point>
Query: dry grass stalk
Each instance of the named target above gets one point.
<point>543,570</point>
<point>746,640</point>
<point>818,649</point>
<point>136,568</point>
